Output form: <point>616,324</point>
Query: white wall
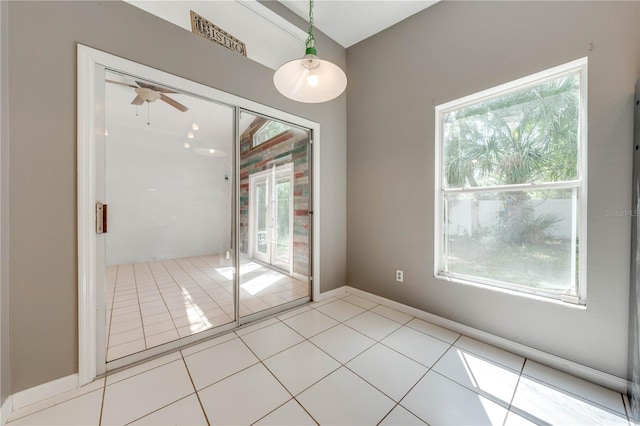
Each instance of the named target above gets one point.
<point>165,201</point>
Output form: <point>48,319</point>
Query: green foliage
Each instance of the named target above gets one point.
<point>520,226</point>
<point>268,131</point>
<point>526,136</point>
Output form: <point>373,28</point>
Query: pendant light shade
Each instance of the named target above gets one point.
<point>300,82</point>
<point>310,79</point>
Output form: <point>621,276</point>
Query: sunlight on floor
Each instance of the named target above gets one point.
<point>261,282</point>
<point>245,268</point>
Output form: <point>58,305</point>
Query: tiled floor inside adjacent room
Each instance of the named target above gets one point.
<point>342,361</point>
<point>152,303</point>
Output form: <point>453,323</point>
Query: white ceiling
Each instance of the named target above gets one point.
<point>270,39</point>
<point>351,21</point>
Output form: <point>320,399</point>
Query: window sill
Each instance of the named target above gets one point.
<point>582,307</point>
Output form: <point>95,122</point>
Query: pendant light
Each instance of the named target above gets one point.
<point>310,79</point>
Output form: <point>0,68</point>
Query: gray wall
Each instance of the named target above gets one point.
<point>42,77</point>
<point>5,372</point>
<point>455,49</point>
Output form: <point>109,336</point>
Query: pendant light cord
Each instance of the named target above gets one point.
<point>311,40</point>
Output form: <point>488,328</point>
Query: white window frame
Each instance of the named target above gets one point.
<point>261,129</point>
<point>577,66</point>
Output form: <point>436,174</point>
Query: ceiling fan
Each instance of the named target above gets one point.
<point>149,93</point>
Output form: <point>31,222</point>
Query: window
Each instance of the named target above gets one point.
<point>269,130</point>
<point>510,185</point>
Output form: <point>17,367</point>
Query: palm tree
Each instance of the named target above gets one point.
<point>527,136</point>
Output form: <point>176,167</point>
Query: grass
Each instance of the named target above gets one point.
<point>544,266</point>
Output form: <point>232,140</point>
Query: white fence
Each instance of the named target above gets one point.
<point>464,215</point>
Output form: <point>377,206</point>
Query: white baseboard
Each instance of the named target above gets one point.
<point>331,293</point>
<point>5,410</point>
<point>601,378</point>
<point>44,391</point>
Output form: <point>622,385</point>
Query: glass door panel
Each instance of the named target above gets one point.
<point>262,247</point>
<point>275,190</point>
<point>283,225</point>
<point>282,238</point>
<point>169,168</point>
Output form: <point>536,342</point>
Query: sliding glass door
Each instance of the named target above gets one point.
<point>168,187</point>
<point>190,192</point>
<point>194,214</point>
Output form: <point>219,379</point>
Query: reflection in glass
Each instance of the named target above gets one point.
<point>282,220</point>
<point>261,221</point>
<point>274,214</point>
<point>169,242</point>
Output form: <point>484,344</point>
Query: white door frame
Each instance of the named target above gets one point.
<point>90,64</point>
<point>254,180</point>
<point>272,176</point>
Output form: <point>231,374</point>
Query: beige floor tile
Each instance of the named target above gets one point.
<point>125,326</point>
<point>115,352</point>
<point>159,327</point>
<point>160,338</point>
<point>125,337</point>
<point>152,319</point>
<point>131,316</point>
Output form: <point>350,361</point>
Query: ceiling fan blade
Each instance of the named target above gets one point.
<point>121,83</point>
<point>174,103</point>
<point>154,88</point>
<point>162,89</point>
<point>142,84</point>
<point>137,101</point>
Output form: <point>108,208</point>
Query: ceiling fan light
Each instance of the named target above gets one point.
<point>147,94</point>
<point>210,152</point>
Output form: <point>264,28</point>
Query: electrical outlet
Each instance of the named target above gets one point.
<point>399,275</point>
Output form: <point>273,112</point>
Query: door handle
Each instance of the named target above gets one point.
<point>101,218</point>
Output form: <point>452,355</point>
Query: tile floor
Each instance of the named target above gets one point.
<point>342,361</point>
<point>152,303</point>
